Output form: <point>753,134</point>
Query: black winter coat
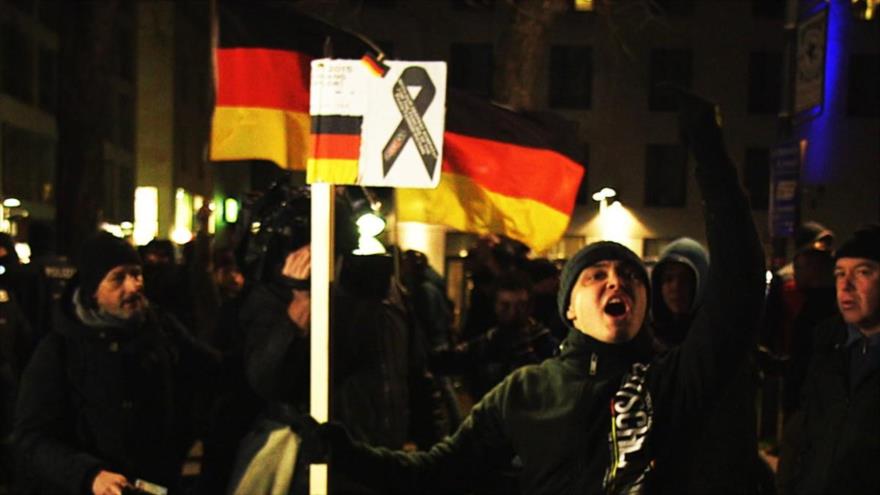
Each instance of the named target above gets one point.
<point>116,399</point>
<point>554,419</point>
<point>838,447</point>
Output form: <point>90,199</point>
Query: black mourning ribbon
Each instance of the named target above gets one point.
<point>411,125</point>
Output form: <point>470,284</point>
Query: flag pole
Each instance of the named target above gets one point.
<point>321,275</point>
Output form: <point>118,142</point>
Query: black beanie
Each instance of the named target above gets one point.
<point>588,255</point>
<point>865,243</point>
<point>98,255</point>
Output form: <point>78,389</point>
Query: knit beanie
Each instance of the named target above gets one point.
<point>865,243</point>
<point>98,255</point>
<point>588,255</point>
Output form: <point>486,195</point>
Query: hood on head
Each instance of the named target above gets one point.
<point>690,253</point>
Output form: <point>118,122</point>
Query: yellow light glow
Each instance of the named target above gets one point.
<point>616,223</point>
<point>198,202</point>
<point>23,250</point>
<point>230,210</point>
<point>427,238</point>
<point>113,228</point>
<point>146,214</point>
<point>584,5</point>
<point>181,233</point>
<point>11,203</point>
<point>212,218</point>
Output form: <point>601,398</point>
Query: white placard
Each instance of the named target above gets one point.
<point>403,117</point>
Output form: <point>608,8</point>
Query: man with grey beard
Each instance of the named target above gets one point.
<point>105,403</point>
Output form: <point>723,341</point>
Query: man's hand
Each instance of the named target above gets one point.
<point>298,264</point>
<point>300,310</point>
<point>107,483</point>
<point>699,120</point>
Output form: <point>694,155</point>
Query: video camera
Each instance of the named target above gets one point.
<point>271,225</point>
<point>278,221</point>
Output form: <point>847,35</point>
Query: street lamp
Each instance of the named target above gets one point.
<point>602,196</point>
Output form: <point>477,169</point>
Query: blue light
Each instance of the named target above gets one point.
<point>820,131</point>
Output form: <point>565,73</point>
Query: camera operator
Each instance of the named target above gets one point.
<point>273,325</point>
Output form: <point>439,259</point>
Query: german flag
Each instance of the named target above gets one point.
<point>503,173</point>
<point>336,147</point>
<point>262,88</point>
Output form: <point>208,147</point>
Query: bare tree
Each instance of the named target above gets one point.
<point>523,46</point>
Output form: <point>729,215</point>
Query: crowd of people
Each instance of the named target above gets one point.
<point>603,375</point>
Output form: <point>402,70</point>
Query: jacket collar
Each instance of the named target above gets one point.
<point>600,358</point>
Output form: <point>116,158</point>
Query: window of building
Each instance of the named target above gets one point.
<point>773,10</point>
<point>125,51</point>
<point>380,4</point>
<point>47,64</point>
<point>652,247</point>
<point>124,193</point>
<point>668,66</point>
<point>756,177</point>
<point>765,82</point>
<point>28,165</point>
<point>863,93</point>
<point>665,175</point>
<point>116,204</point>
<point>47,13</point>
<point>24,6</point>
<point>571,77</point>
<point>470,68</point>
<point>672,7</point>
<point>16,51</point>
<point>125,120</point>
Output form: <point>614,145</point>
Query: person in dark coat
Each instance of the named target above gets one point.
<point>604,415</point>
<point>15,348</point>
<point>104,401</point>
<point>832,444</point>
<point>516,340</point>
<point>723,456</point>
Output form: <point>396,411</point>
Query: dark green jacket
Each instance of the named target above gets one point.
<point>554,419</point>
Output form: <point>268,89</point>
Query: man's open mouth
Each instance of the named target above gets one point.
<point>615,307</point>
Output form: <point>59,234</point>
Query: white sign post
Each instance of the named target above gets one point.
<point>401,118</point>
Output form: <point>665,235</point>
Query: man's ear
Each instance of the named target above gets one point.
<point>569,313</point>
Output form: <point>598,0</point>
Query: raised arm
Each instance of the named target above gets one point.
<point>725,327</point>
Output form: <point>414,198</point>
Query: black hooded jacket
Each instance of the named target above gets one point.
<point>108,398</point>
<point>722,455</point>
<point>554,419</point>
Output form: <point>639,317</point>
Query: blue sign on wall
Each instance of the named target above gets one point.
<point>785,168</point>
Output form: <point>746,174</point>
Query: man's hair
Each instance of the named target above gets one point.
<point>512,281</point>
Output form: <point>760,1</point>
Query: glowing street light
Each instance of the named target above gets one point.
<point>604,194</point>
